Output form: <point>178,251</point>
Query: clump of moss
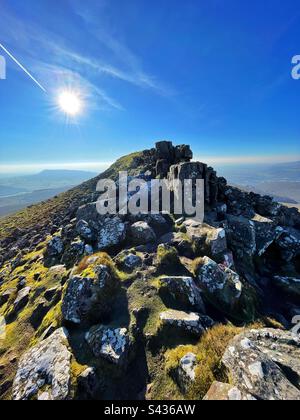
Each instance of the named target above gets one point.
<point>209,352</point>
<point>167,257</point>
<point>86,268</point>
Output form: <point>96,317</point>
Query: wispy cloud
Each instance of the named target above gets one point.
<point>16,168</point>
<point>247,160</point>
<point>51,52</point>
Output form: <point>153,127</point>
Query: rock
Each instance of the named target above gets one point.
<point>111,344</point>
<point>88,250</point>
<point>165,150</point>
<point>183,291</point>
<point>7,295</point>
<point>54,292</point>
<point>73,253</point>
<point>167,258</point>
<point>46,364</point>
<point>288,285</point>
<point>89,215</point>
<point>141,233</point>
<point>225,392</point>
<point>89,299</point>
<point>39,313</point>
<point>241,236</point>
<point>162,168</point>
<point>183,153</point>
<point>224,290</point>
<point>180,242</point>
<point>207,239</point>
<point>128,261</point>
<point>183,322</point>
<point>88,384</point>
<point>22,299</point>
<point>55,247</point>
<point>111,233</point>
<point>266,233</point>
<point>186,372</point>
<point>265,364</point>
<point>85,232</point>
<point>289,244</point>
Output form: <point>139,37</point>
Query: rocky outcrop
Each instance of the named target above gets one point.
<point>265,364</point>
<point>44,371</point>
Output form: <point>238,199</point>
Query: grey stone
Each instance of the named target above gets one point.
<point>141,233</point>
<point>265,364</point>
<point>46,364</point>
<point>183,322</point>
<point>111,344</point>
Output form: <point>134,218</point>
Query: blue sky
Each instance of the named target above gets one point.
<point>212,73</point>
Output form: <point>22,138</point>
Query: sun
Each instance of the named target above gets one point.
<point>70,103</point>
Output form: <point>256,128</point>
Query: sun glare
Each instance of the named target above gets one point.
<point>70,103</point>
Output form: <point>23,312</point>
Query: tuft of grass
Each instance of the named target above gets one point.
<point>209,352</point>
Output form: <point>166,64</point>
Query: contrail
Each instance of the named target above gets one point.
<point>22,67</point>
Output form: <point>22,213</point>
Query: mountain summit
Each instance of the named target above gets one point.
<point>151,306</point>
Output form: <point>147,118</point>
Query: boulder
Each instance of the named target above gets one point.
<point>183,291</point>
<point>111,233</point>
<point>225,392</point>
<point>183,322</point>
<point>224,290</point>
<point>288,285</point>
<point>111,344</point>
<point>207,239</point>
<point>141,234</point>
<point>265,364</point>
<point>45,366</point>
<point>89,299</point>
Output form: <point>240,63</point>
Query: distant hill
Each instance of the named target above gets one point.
<point>43,180</point>
<point>281,181</point>
<point>19,192</point>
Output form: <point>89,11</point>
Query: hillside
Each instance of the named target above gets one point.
<point>148,306</point>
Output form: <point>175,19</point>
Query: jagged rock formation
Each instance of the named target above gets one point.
<point>129,288</point>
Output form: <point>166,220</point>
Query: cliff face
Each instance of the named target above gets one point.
<point>91,305</point>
